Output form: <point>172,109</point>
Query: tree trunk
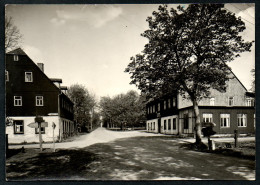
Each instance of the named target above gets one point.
<point>197,122</point>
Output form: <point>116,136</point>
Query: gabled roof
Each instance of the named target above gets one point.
<point>17,51</point>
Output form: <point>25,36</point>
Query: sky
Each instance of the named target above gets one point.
<point>92,44</point>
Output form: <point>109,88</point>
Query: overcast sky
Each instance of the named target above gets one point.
<point>92,44</point>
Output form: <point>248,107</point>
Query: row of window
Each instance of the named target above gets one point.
<point>28,76</point>
<point>167,104</point>
<point>19,128</point>
<point>19,102</point>
<point>151,109</point>
<point>225,119</point>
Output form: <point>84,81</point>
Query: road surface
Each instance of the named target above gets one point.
<point>110,155</point>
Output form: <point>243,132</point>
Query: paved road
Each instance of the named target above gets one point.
<point>128,157</point>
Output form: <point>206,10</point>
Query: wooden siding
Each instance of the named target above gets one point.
<point>234,89</point>
<point>40,86</point>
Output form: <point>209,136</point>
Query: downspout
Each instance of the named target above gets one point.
<point>59,118</point>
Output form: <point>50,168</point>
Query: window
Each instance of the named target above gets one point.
<point>18,127</point>
<point>169,103</point>
<point>224,120</point>
<point>173,102</point>
<point>16,58</point>
<point>164,125</point>
<point>153,125</point>
<point>164,105</point>
<point>148,110</point>
<point>169,124</point>
<point>174,123</point>
<point>153,108</point>
<point>249,102</point>
<point>241,120</point>
<point>39,100</point>
<point>42,130</point>
<point>28,77</point>
<point>17,100</point>
<point>6,76</point>
<point>207,118</point>
<point>231,101</point>
<point>159,108</point>
<point>212,101</point>
<point>186,121</point>
<point>151,111</point>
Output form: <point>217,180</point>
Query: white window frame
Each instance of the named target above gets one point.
<point>158,107</point>
<point>16,58</point>
<point>212,101</point>
<point>164,105</point>
<point>242,120</point>
<point>222,118</point>
<point>169,103</point>
<point>26,79</point>
<point>18,127</point>
<point>18,101</point>
<point>153,108</point>
<point>229,100</point>
<point>207,117</point>
<point>6,76</point>
<point>39,101</point>
<point>249,102</point>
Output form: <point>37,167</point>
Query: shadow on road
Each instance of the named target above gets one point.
<point>138,158</point>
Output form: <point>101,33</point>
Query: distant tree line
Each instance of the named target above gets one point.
<point>123,110</point>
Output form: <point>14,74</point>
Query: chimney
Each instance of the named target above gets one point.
<point>41,66</point>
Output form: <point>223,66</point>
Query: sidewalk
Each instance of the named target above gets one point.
<point>231,139</point>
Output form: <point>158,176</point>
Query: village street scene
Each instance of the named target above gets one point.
<point>130,92</point>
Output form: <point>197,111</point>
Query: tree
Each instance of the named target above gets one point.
<point>123,108</point>
<point>187,52</point>
<point>84,104</point>
<point>12,35</point>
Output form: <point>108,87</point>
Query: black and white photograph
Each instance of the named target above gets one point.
<point>130,92</point>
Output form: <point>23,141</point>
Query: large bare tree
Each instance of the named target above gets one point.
<point>12,35</point>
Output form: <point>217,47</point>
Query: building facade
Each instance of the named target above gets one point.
<point>231,110</point>
<point>30,93</point>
